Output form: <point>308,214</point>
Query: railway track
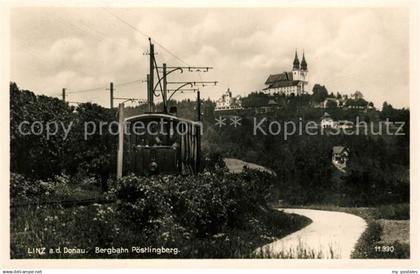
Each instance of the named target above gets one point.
<point>66,203</point>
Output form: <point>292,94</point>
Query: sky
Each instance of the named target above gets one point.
<point>347,49</point>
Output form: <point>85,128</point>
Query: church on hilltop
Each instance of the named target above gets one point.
<point>289,82</point>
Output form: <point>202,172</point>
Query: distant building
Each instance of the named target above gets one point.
<point>330,102</point>
<point>264,106</point>
<point>228,102</point>
<point>289,82</point>
<point>345,124</point>
<point>271,106</point>
<point>340,157</point>
<point>327,121</point>
<point>357,95</point>
<point>272,103</point>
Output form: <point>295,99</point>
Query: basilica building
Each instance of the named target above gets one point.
<point>289,82</point>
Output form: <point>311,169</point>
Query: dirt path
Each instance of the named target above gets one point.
<point>329,231</point>
<point>237,166</point>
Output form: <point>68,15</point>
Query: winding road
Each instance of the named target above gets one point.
<point>329,231</point>
<point>331,234</point>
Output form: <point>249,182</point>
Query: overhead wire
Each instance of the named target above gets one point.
<point>98,33</point>
<point>155,41</point>
<point>147,36</point>
<point>104,87</point>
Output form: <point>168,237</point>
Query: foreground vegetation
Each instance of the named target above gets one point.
<point>387,235</point>
<point>214,215</point>
<point>371,245</point>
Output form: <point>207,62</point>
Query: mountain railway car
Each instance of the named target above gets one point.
<point>156,143</point>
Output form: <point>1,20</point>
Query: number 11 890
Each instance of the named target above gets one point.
<point>384,248</point>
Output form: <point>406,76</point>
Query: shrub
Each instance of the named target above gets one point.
<point>143,202</point>
<point>205,203</point>
<point>213,161</point>
<point>23,189</point>
<point>393,211</point>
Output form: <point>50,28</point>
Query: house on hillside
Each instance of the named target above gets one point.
<point>340,157</point>
<point>355,101</point>
<point>330,102</point>
<point>228,102</point>
<point>327,121</point>
<point>357,95</point>
<point>345,124</point>
<point>269,107</point>
<point>289,82</point>
<point>273,105</point>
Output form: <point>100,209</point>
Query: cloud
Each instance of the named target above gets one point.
<point>346,49</point>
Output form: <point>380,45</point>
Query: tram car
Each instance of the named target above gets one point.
<point>157,143</point>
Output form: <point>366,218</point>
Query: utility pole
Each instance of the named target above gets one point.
<point>111,94</point>
<point>198,106</point>
<point>165,89</point>
<point>120,152</point>
<point>149,93</point>
<point>199,132</point>
<point>151,73</point>
<point>64,94</point>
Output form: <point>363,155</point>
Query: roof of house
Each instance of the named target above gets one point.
<point>284,84</point>
<point>338,149</point>
<point>330,99</point>
<point>272,102</point>
<point>281,84</point>
<point>345,122</point>
<point>284,76</point>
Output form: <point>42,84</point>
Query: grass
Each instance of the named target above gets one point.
<point>370,245</point>
<point>87,227</point>
<point>395,231</point>
<point>388,230</point>
<point>299,252</point>
<point>391,211</point>
<point>195,220</point>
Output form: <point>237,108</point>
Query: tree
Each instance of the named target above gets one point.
<point>93,154</point>
<point>331,104</point>
<point>386,107</point>
<point>36,155</point>
<point>41,156</point>
<point>319,93</point>
<point>256,99</point>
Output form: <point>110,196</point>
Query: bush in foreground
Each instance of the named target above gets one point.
<point>203,216</point>
<point>206,203</point>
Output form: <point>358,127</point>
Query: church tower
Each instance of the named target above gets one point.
<point>303,74</point>
<point>296,68</point>
<point>304,69</point>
